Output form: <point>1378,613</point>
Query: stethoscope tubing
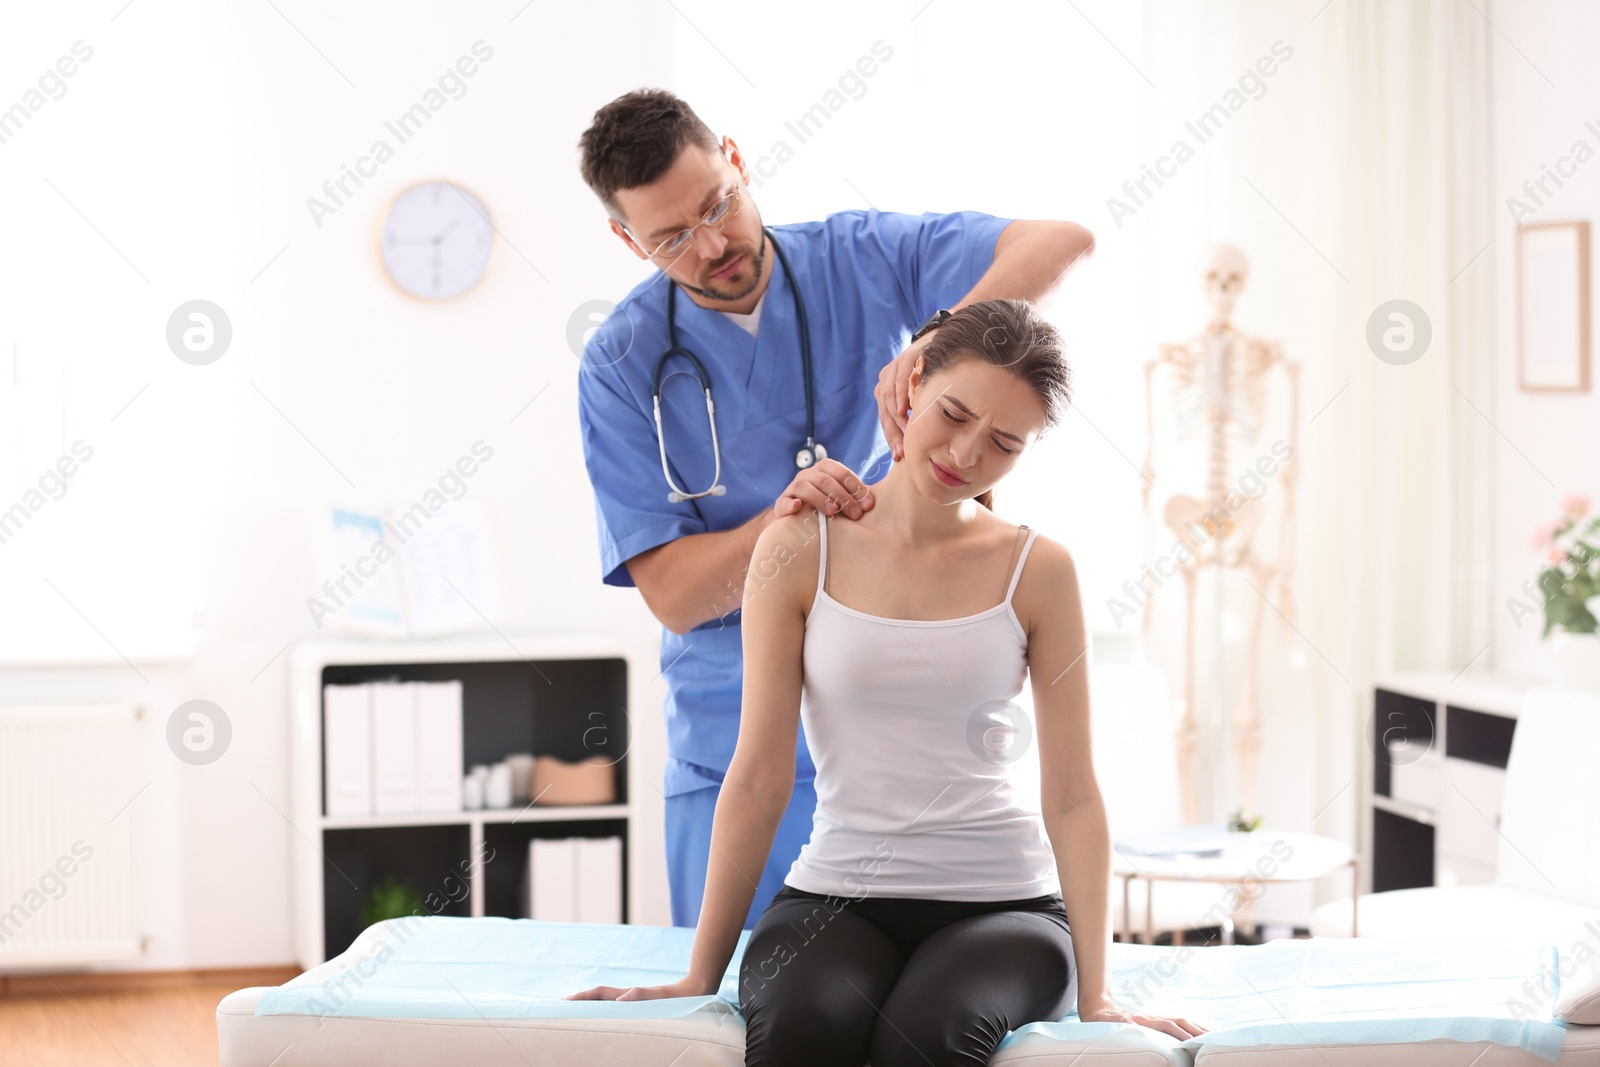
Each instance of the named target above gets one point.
<point>811,449</point>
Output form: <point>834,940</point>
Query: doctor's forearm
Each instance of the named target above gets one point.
<point>1030,260</point>
<point>698,577</point>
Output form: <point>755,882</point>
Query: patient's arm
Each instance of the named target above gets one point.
<point>760,779</point>
<point>1074,811</point>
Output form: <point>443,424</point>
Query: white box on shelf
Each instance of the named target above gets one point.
<point>394,748</point>
<point>347,759</point>
<point>599,888</point>
<point>1418,780</point>
<point>1469,826</point>
<point>552,879</point>
<point>439,770</point>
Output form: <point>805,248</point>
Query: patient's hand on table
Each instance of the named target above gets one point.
<point>683,987</point>
<point>1182,1029</point>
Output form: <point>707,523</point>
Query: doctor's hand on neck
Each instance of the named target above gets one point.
<point>893,393</point>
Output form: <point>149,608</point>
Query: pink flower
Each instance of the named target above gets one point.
<point>1575,506</point>
<point>1556,555</point>
<point>1543,534</point>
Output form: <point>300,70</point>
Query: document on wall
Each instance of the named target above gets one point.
<point>411,571</point>
<point>451,571</point>
<point>375,604</point>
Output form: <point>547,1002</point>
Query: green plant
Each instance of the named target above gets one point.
<point>1238,824</point>
<point>1571,582</point>
<point>389,899</point>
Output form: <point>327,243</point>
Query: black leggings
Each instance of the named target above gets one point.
<point>830,981</point>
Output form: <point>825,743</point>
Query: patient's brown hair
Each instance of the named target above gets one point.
<point>1009,334</point>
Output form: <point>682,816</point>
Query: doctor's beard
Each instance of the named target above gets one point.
<point>714,294</point>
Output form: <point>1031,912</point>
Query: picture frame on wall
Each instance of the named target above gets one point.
<point>1553,307</point>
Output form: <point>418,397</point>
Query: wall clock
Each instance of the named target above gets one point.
<point>436,240</point>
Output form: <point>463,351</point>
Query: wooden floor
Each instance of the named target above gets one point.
<point>158,1021</point>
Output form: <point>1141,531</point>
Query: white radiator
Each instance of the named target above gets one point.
<point>67,779</point>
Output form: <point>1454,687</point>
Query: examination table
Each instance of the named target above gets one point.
<point>435,991</point>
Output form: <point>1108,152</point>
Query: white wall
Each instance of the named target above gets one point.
<point>191,140</point>
<point>1545,91</point>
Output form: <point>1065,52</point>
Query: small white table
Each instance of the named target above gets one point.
<point>1261,857</point>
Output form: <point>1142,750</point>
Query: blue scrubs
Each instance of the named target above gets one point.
<point>868,279</point>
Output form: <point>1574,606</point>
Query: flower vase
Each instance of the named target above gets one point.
<point>1575,660</point>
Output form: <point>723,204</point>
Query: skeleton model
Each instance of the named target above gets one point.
<point>1218,387</point>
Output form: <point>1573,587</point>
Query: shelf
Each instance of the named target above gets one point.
<point>524,814</point>
<point>563,695</point>
<point>1497,693</point>
<point>1428,810</point>
<point>1405,809</point>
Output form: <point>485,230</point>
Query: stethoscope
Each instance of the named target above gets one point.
<point>809,454</point>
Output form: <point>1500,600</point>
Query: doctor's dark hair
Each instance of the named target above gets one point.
<point>1009,334</point>
<point>634,140</point>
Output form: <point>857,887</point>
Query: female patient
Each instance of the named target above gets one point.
<point>922,920</point>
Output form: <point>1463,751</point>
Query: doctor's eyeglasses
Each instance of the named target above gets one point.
<point>717,216</point>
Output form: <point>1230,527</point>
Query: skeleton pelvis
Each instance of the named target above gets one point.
<point>1201,523</point>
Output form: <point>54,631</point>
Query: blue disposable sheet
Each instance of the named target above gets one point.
<point>1336,991</point>
<point>445,967</point>
<point>1289,992</point>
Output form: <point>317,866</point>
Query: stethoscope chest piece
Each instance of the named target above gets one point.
<point>809,456</point>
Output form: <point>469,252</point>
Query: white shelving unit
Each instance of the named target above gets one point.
<point>1441,802</point>
<point>519,813</point>
<point>308,664</point>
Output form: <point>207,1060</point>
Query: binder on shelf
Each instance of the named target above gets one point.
<point>347,753</point>
<point>438,710</point>
<point>552,869</point>
<point>394,748</point>
<point>575,880</point>
<point>599,887</point>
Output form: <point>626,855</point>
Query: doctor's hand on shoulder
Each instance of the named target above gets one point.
<point>830,487</point>
<point>687,986</point>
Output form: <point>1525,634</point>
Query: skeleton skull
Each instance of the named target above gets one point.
<point>1225,271</point>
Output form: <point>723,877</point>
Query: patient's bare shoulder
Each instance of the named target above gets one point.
<point>784,563</point>
<point>1047,592</point>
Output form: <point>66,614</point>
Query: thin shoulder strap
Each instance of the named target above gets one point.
<point>822,555</point>
<point>1016,574</point>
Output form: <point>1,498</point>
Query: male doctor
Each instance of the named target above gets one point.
<point>870,284</point>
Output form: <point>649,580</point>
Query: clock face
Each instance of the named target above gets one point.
<point>436,240</point>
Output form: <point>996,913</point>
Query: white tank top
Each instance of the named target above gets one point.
<point>908,723</point>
